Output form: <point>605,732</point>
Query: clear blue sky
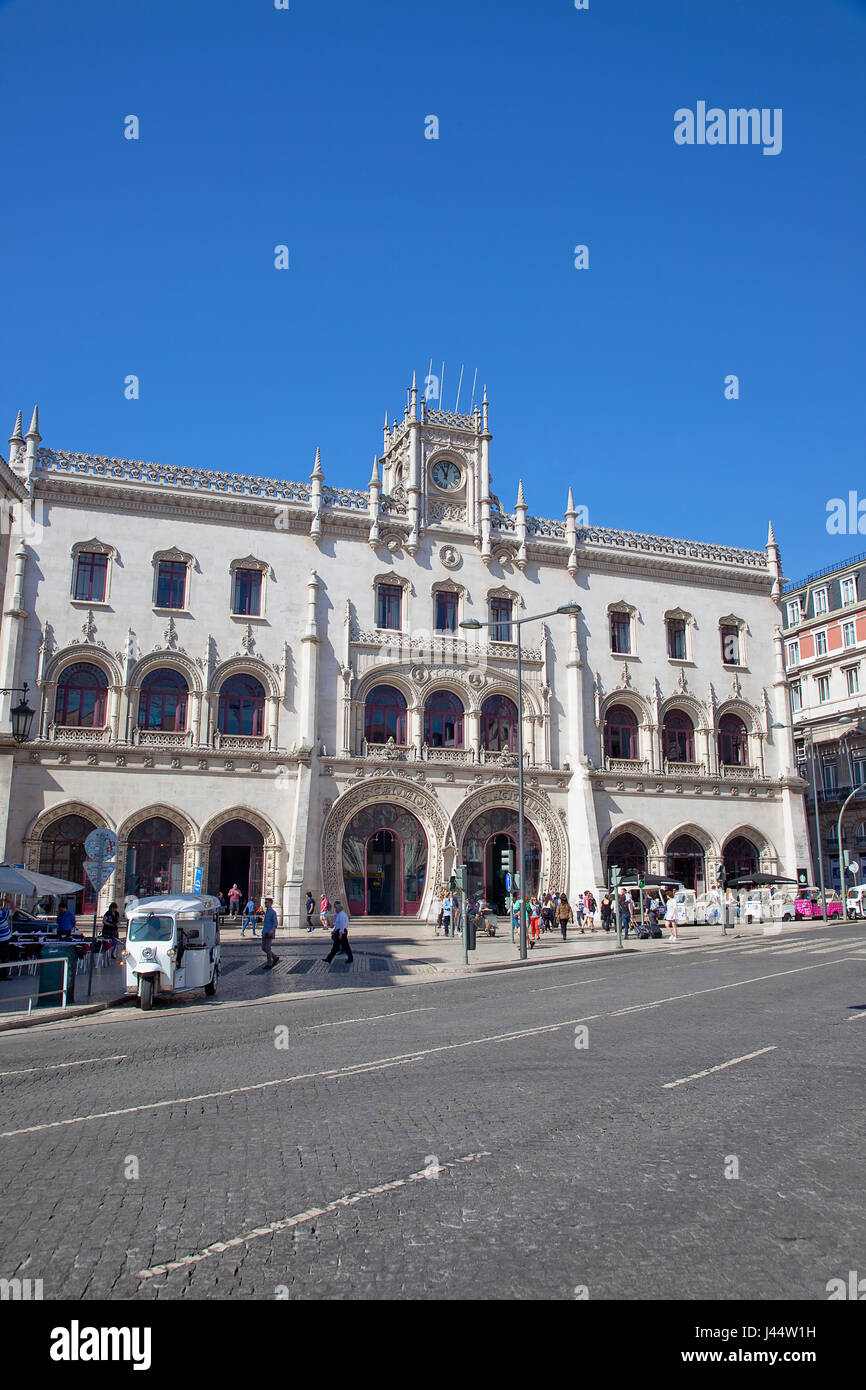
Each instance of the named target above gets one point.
<point>306,127</point>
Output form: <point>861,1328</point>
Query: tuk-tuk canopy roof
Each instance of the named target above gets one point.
<point>176,903</point>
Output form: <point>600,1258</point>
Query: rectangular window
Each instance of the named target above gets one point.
<point>446,612</point>
<point>792,654</point>
<point>730,645</point>
<point>859,766</point>
<point>677,639</point>
<point>821,643</point>
<point>848,636</point>
<point>247,593</point>
<point>852,679</point>
<point>620,634</point>
<point>849,591</point>
<point>171,584</point>
<point>794,613</point>
<point>823,689</point>
<point>796,696</point>
<point>819,601</point>
<point>91,572</point>
<point>388,599</point>
<point>830,775</point>
<point>500,620</point>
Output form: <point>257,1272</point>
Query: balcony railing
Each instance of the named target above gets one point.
<point>736,772</point>
<point>686,769</point>
<point>625,764</point>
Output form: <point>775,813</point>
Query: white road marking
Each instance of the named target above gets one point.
<point>349,1200</point>
<point>368,1018</point>
<point>853,1017</point>
<point>669,1085</point>
<point>380,1064</point>
<point>575,984</point>
<point>58,1066</point>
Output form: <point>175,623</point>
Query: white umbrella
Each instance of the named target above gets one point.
<point>39,883</point>
<point>13,881</point>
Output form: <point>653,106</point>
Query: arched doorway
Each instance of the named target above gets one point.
<point>685,862</point>
<point>154,859</point>
<point>629,853</point>
<point>487,836</point>
<point>237,855</point>
<point>740,857</point>
<point>61,854</point>
<point>384,862</point>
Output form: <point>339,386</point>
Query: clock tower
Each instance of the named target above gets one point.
<point>438,461</point>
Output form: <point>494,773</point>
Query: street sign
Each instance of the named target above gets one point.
<point>508,883</point>
<point>99,871</point>
<point>196,887</point>
<point>101,844</point>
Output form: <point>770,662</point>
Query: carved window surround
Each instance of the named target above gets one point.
<point>173,554</point>
<point>92,547</point>
<point>250,562</point>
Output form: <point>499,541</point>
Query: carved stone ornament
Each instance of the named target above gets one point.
<point>92,759</point>
<point>88,627</point>
<point>255,767</point>
<point>228,765</point>
<point>450,557</point>
<point>170,635</point>
<point>175,762</point>
<point>682,682</point>
<point>248,641</point>
<point>202,764</point>
<point>476,679</point>
<point>148,761</point>
<point>63,758</point>
<point>120,760</point>
<point>420,675</point>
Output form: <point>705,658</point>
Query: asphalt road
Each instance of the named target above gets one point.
<point>457,1138</point>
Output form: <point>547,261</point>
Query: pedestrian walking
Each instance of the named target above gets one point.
<point>548,913</point>
<point>456,913</point>
<point>624,912</point>
<point>580,910</point>
<point>564,915</point>
<point>223,907</point>
<point>269,927</point>
<point>340,934</point>
<point>591,907</point>
<point>446,912</point>
<point>324,909</point>
<point>249,917</point>
<point>534,919</point>
<point>234,899</point>
<point>671,918</point>
<point>606,912</point>
<point>309,908</point>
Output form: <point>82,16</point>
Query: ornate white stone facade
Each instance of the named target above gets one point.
<point>317,653</point>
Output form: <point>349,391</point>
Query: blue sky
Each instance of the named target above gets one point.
<point>306,127</point>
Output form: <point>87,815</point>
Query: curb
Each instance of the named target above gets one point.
<point>59,1015</point>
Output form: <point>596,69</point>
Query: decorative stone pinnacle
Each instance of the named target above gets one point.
<point>16,437</point>
<point>317,467</point>
<point>88,627</point>
<point>33,432</point>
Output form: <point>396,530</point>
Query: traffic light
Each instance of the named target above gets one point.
<point>615,876</point>
<point>721,875</point>
<point>507,861</point>
<point>460,874</point>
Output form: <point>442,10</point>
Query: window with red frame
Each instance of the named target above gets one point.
<point>385,715</point>
<point>171,584</point>
<point>620,634</point>
<point>91,574</point>
<point>730,645</point>
<point>241,708</point>
<point>162,701</point>
<point>82,695</point>
<point>443,721</point>
<point>388,601</point>
<point>446,612</point>
<point>247,593</point>
<point>733,741</point>
<point>678,737</point>
<point>500,620</point>
<point>621,733</point>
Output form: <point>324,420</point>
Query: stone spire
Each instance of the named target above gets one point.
<point>571,533</point>
<point>374,487</point>
<point>16,443</point>
<point>774,563</point>
<point>317,477</point>
<point>520,510</point>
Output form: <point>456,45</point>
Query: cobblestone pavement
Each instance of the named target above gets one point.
<point>701,1139</point>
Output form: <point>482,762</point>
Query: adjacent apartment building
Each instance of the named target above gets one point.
<point>825,658</point>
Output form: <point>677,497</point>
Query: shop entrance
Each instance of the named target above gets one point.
<point>494,874</point>
<point>384,862</point>
<point>237,856</point>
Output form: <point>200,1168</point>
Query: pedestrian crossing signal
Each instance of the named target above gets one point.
<point>507,861</point>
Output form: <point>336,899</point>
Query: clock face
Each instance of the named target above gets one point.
<point>447,475</point>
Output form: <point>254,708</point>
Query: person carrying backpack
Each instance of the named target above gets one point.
<point>564,915</point>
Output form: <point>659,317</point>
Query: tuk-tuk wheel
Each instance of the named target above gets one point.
<point>146,992</point>
<point>210,988</point>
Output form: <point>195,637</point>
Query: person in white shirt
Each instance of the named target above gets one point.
<point>671,918</point>
<point>340,934</point>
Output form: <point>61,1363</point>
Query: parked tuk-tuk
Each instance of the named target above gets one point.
<point>685,904</point>
<point>172,945</point>
<point>855,902</point>
<point>784,905</point>
<point>758,906</point>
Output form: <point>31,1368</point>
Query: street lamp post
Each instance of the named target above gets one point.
<point>849,797</point>
<point>809,729</point>
<point>21,715</point>
<point>570,610</point>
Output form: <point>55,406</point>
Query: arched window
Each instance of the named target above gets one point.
<point>621,733</point>
<point>678,737</point>
<point>385,715</point>
<point>62,855</point>
<point>499,725</point>
<point>733,741</point>
<point>241,706</point>
<point>443,721</point>
<point>740,857</point>
<point>685,861</point>
<point>82,696</point>
<point>162,701</point>
<point>154,859</point>
<point>628,852</point>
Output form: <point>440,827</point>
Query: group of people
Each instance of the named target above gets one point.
<point>657,910</point>
<point>552,910</point>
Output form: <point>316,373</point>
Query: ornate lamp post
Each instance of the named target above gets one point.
<point>473,625</point>
<point>21,715</point>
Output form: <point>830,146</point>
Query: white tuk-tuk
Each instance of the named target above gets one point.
<point>172,944</point>
<point>758,906</point>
